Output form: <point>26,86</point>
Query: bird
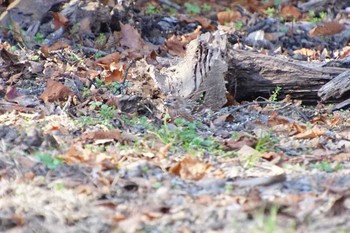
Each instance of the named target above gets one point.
<point>179,107</point>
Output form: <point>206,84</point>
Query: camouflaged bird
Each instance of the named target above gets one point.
<point>179,108</point>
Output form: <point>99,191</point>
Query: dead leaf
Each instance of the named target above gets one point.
<point>8,57</point>
<point>190,168</point>
<point>246,152</point>
<point>306,52</point>
<point>242,140</point>
<point>335,121</point>
<point>85,26</point>
<point>311,133</point>
<point>59,20</point>
<point>276,119</point>
<point>130,37</point>
<point>163,151</point>
<point>55,91</point>
<point>296,129</point>
<point>228,16</point>
<point>327,29</point>
<point>290,12</point>
<point>100,135</point>
<point>115,76</point>
<point>108,59</point>
<point>177,45</point>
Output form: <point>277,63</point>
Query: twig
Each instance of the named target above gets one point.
<point>170,4</point>
<point>93,50</point>
<point>123,87</point>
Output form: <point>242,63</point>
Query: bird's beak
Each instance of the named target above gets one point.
<point>167,103</point>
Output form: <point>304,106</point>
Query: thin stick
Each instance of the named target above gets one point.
<point>123,87</point>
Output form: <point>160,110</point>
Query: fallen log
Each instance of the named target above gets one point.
<point>251,75</point>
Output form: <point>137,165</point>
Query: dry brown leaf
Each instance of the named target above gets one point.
<point>246,152</point>
<point>59,20</point>
<point>98,135</point>
<point>342,157</point>
<point>326,29</point>
<point>203,21</point>
<point>131,38</point>
<point>14,78</point>
<point>306,52</point>
<point>75,154</point>
<point>272,157</point>
<point>163,151</point>
<point>335,121</point>
<point>8,57</point>
<point>296,129</point>
<point>85,25</point>
<point>242,140</point>
<point>190,168</point>
<point>108,59</point>
<point>191,36</point>
<point>311,133</point>
<point>290,12</point>
<point>276,119</point>
<point>176,46</point>
<point>228,16</point>
<point>204,200</point>
<point>55,91</point>
<point>115,76</point>
<point>58,46</point>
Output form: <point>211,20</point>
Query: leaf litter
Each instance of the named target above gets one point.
<point>87,144</point>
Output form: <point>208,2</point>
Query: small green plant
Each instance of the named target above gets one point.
<point>251,161</point>
<point>311,16</point>
<point>327,166</point>
<point>106,112</point>
<point>86,92</point>
<point>39,38</point>
<point>184,135</point>
<point>35,58</point>
<point>101,39</point>
<point>157,185</point>
<point>94,105</point>
<point>151,9</point>
<point>206,8</point>
<point>98,55</point>
<point>74,58</point>
<point>239,25</point>
<point>277,2</point>
<point>171,11</point>
<point>264,143</point>
<point>228,9</point>
<point>13,48</point>
<point>323,15</point>
<point>99,82</point>
<point>228,189</point>
<point>271,12</point>
<point>47,159</point>
<point>115,87</point>
<point>270,222</point>
<point>275,94</point>
<point>59,186</point>
<point>192,8</point>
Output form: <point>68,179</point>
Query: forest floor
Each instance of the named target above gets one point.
<point>87,144</point>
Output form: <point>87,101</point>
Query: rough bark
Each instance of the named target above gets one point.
<point>252,75</point>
